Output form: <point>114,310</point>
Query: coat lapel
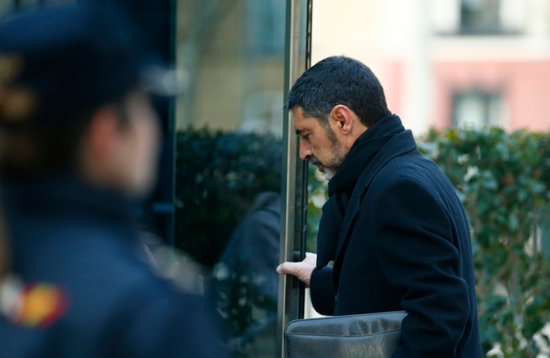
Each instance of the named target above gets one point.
<point>400,144</point>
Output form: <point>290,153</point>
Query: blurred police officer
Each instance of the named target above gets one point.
<point>78,142</point>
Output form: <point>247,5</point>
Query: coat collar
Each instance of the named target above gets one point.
<point>363,151</point>
<point>400,143</point>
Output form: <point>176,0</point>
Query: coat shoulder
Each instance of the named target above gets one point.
<point>415,171</point>
<point>413,167</point>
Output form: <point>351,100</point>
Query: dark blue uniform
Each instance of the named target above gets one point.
<point>83,240</point>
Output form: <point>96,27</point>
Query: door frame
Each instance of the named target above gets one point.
<point>294,185</point>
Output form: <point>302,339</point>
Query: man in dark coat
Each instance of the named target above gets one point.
<point>393,234</point>
<point>79,144</point>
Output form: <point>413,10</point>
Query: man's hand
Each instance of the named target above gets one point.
<point>302,270</point>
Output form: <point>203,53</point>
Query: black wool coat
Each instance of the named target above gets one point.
<point>399,239</point>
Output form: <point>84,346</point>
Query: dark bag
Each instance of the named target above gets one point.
<point>372,335</point>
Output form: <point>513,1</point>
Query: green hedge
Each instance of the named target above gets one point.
<point>503,181</point>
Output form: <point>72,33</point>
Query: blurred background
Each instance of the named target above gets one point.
<point>448,62</point>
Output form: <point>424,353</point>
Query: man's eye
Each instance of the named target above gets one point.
<point>305,137</point>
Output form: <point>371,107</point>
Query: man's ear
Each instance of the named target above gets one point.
<point>341,118</point>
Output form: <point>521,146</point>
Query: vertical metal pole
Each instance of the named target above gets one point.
<point>288,216</point>
<point>309,26</point>
<point>305,173</point>
<point>291,297</point>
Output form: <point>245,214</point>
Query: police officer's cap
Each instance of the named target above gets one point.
<point>60,62</point>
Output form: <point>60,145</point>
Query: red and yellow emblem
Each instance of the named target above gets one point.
<point>41,304</point>
<point>36,304</point>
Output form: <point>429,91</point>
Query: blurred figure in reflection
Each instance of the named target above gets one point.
<point>245,282</point>
<point>234,232</point>
<point>79,144</point>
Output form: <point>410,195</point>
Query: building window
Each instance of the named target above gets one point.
<point>477,17</point>
<point>480,16</point>
<point>478,109</point>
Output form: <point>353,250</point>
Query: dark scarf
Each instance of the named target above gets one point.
<point>340,187</point>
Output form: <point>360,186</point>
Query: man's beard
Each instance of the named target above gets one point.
<point>330,168</point>
<point>328,172</point>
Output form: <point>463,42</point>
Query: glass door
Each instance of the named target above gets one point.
<point>238,184</point>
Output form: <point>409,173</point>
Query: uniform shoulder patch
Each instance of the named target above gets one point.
<point>37,304</point>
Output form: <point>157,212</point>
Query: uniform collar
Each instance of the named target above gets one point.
<point>61,196</point>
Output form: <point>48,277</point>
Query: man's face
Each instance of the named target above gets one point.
<point>318,144</point>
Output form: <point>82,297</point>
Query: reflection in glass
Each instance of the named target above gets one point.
<point>229,159</point>
<point>228,220</point>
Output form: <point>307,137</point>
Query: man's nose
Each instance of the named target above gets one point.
<point>305,150</point>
